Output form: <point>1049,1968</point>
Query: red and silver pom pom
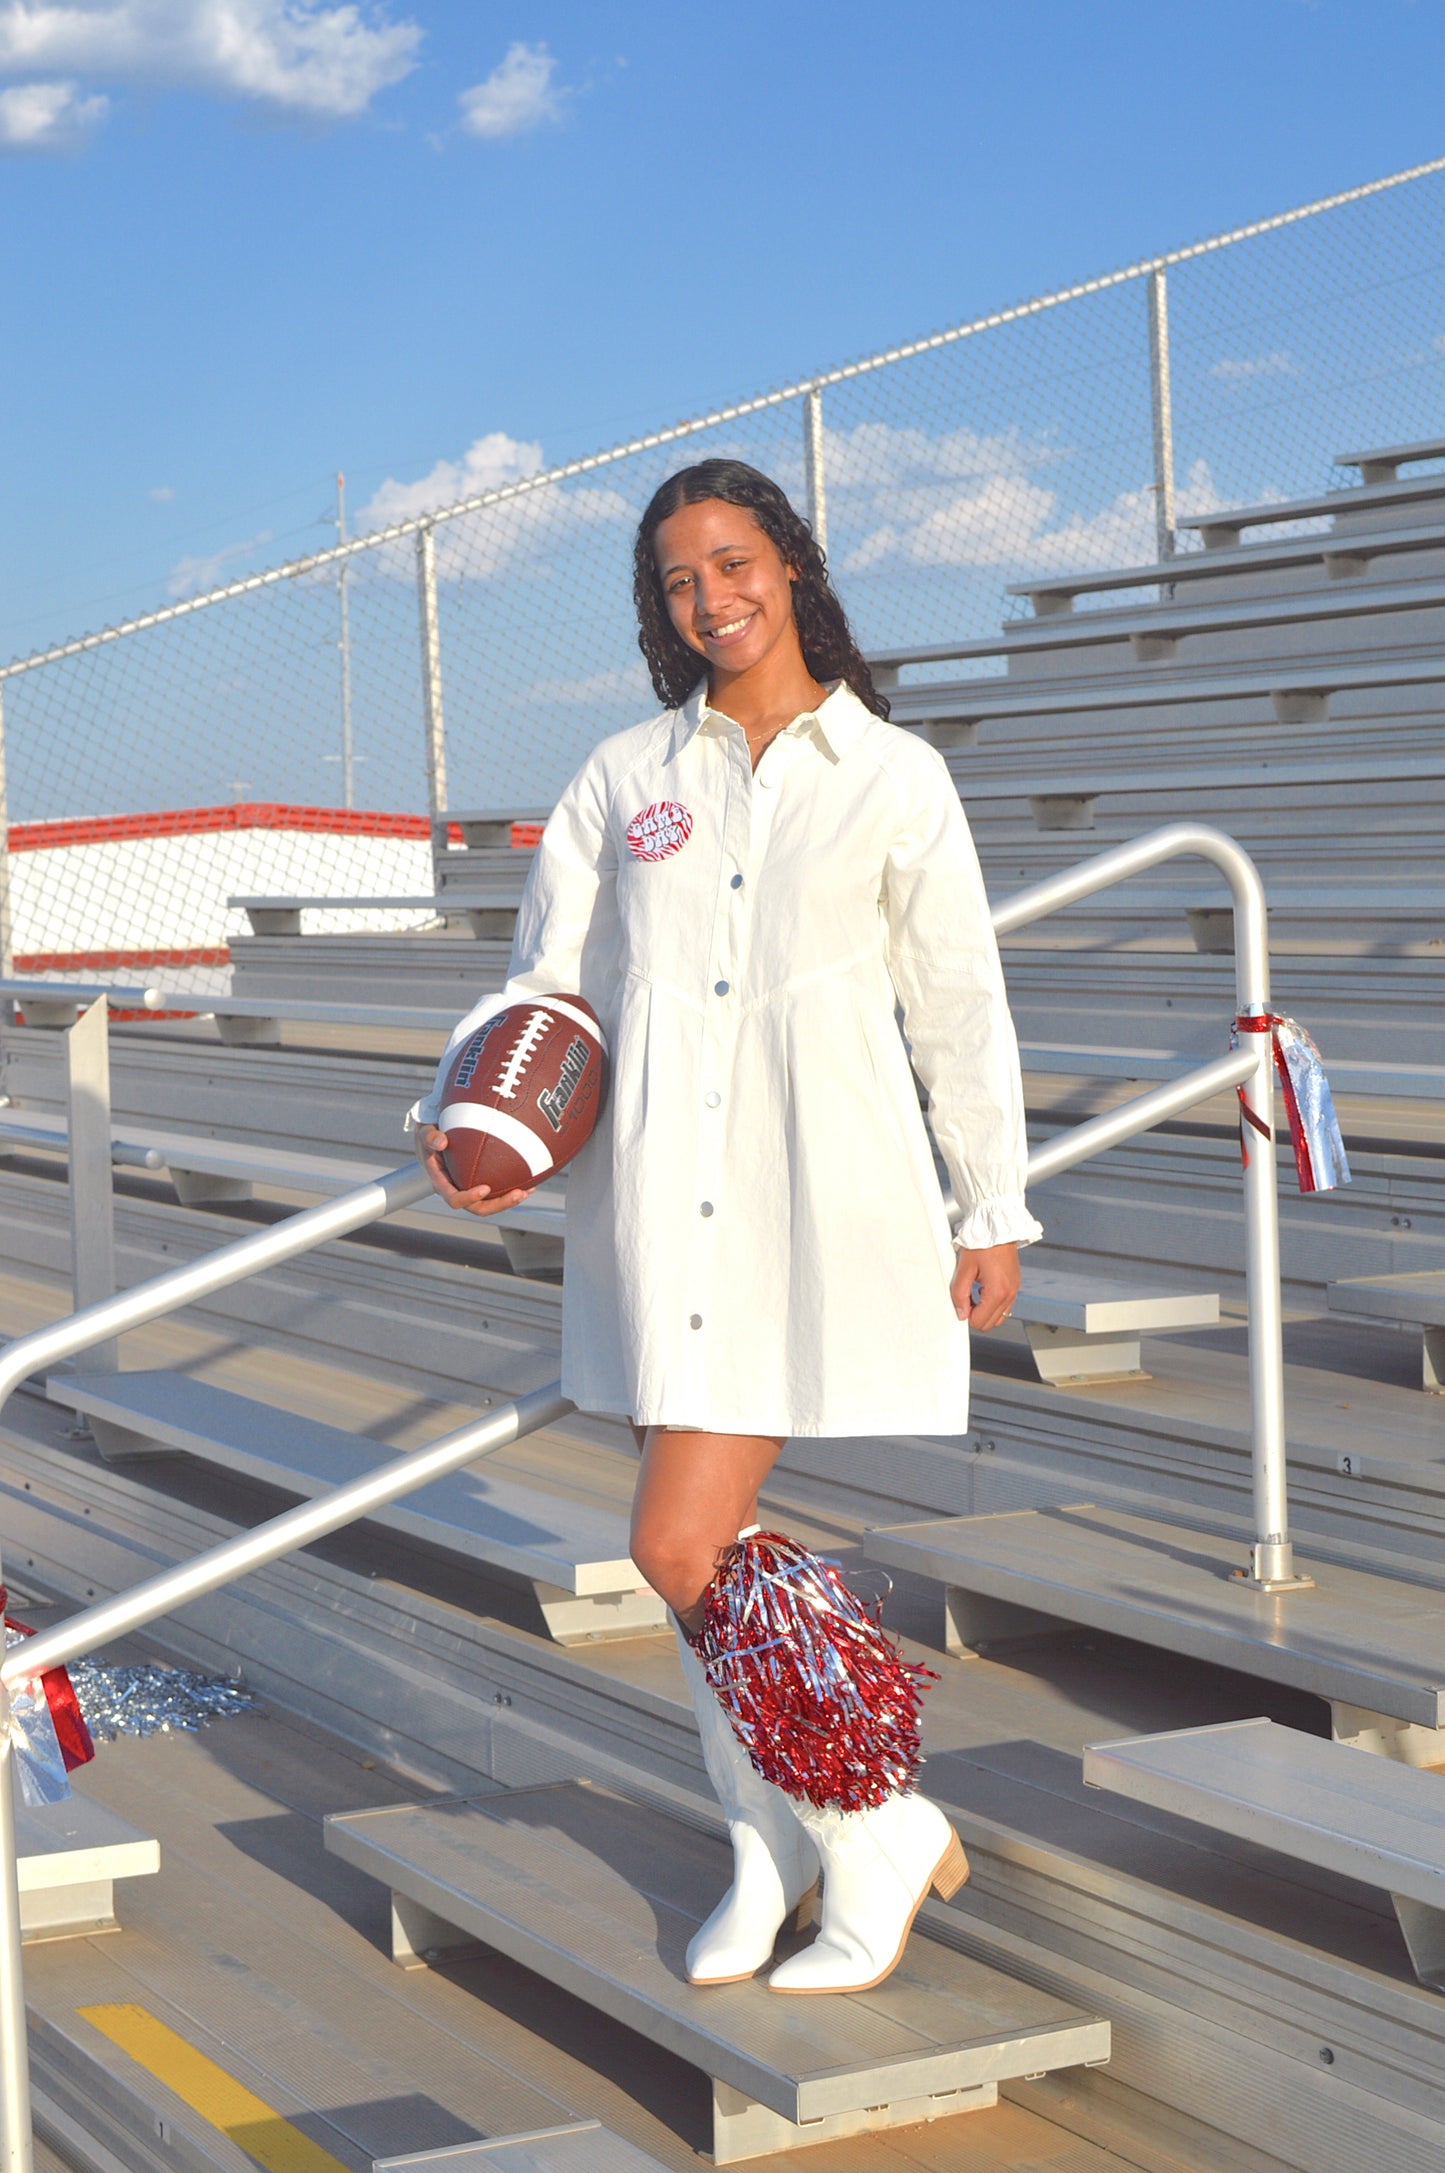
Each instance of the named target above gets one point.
<point>824,1703</point>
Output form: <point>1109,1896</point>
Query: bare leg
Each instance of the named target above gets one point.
<point>695,1492</point>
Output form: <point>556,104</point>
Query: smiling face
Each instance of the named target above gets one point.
<point>727,587</point>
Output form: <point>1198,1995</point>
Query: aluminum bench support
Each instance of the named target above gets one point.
<point>71,1855</point>
<point>1418,1299</point>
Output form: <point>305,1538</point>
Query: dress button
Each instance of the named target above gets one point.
<point>713,1100</point>
<point>720,988</point>
<point>706,1208</point>
<point>737,882</point>
<point>695,1321</point>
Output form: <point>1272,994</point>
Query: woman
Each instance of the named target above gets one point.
<point>749,889</point>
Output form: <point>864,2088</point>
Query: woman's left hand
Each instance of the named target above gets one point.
<point>995,1269</point>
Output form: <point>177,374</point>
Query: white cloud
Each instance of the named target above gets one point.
<point>299,57</point>
<point>476,548</point>
<point>1240,369</point>
<point>161,494</point>
<point>488,464</point>
<point>516,96</point>
<point>966,500</point>
<point>47,116</point>
<point>193,576</point>
<point>595,688</point>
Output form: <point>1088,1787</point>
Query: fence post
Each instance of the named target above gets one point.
<point>92,1199</point>
<point>431,674</point>
<point>813,465</point>
<point>348,760</point>
<point>1163,414</point>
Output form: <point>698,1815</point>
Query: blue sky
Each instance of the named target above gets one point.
<point>245,242</point>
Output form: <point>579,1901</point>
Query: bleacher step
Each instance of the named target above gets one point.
<point>574,1554</point>
<point>582,2146</point>
<point>1369,1644</point>
<point>600,1895</point>
<point>1326,1804</point>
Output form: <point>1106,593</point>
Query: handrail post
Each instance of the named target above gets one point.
<point>1271,1560</point>
<point>15,2129</point>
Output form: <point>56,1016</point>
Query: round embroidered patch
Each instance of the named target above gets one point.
<point>659,831</point>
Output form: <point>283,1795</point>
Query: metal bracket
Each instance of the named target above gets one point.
<point>420,1936</point>
<point>1407,1742</point>
<point>1073,1358</point>
<point>742,2128</point>
<point>974,1624</point>
<point>1424,1930</point>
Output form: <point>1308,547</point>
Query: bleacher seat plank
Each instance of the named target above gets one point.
<point>1228,523</point>
<point>1084,1328</point>
<point>1342,552</point>
<point>1355,1638</point>
<point>1328,1804</point>
<point>599,1895</point>
<point>489,912</point>
<point>965,703</point>
<point>1170,623</point>
<point>568,1550</point>
<point>1386,458</point>
<point>70,1855</point>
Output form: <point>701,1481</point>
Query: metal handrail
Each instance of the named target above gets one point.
<point>1270,1564</point>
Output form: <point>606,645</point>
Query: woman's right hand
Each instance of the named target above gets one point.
<point>430,1146</point>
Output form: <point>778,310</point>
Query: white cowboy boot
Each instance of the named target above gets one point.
<point>775,1866</point>
<point>877,1867</point>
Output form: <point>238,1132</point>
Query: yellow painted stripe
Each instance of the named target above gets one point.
<point>248,2120</point>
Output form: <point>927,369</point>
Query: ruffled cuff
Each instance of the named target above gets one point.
<point>997,1222</point>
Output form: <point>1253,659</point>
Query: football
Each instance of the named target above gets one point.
<point>523,1094</point>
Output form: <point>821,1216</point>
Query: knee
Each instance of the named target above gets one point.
<point>677,1567</point>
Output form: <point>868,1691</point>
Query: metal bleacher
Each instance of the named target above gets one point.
<point>469,1686</point>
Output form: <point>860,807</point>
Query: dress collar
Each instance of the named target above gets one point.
<point>839,720</point>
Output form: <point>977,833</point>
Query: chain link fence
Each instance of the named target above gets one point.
<point>298,732</point>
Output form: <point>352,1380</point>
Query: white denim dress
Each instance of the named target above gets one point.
<point>756,1239</point>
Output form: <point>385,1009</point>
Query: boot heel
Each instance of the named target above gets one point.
<point>951,1870</point>
<point>801,1917</point>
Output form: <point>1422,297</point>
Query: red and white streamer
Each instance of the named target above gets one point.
<point>1319,1151</point>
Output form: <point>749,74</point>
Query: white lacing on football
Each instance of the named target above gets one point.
<point>520,1055</point>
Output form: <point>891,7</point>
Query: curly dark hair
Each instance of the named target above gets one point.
<point>829,650</point>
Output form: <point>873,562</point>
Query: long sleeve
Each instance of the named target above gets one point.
<point>944,964</point>
<point>565,942</point>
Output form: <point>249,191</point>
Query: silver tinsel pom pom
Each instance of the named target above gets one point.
<point>152,1700</point>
